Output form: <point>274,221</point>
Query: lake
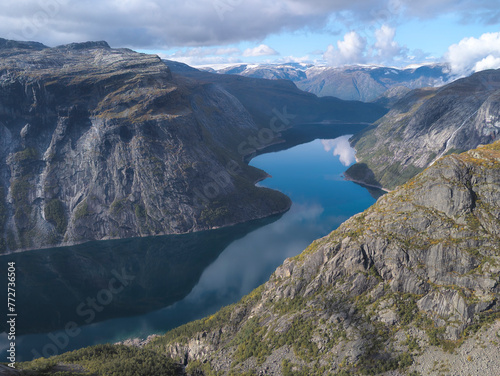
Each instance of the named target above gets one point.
<point>98,292</point>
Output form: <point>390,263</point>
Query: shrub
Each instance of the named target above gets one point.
<point>55,214</point>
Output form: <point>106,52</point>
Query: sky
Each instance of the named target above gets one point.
<point>463,33</point>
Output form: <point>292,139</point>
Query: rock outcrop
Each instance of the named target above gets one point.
<point>425,125</point>
<point>416,273</point>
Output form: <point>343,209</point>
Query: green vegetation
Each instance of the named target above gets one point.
<point>55,214</point>
<point>214,214</point>
<point>289,369</point>
<point>486,318</point>
<point>300,337</point>
<point>375,367</point>
<point>184,333</point>
<point>412,343</point>
<point>108,360</point>
<point>20,189</point>
<point>118,206</point>
<point>140,211</point>
<point>249,342</point>
<point>287,305</point>
<point>360,172</point>
<point>82,210</point>
<point>406,308</point>
<point>26,155</point>
<point>196,367</point>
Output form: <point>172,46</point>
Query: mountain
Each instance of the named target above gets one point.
<point>362,83</point>
<point>291,71</point>
<point>263,98</point>
<point>416,273</point>
<point>100,143</point>
<point>368,83</point>
<point>410,286</point>
<point>425,125</point>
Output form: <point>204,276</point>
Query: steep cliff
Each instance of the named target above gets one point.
<point>425,125</point>
<point>416,273</point>
<point>100,143</point>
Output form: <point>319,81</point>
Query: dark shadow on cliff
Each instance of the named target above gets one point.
<point>360,173</point>
<point>304,133</point>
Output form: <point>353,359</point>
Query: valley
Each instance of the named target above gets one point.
<point>179,278</point>
<point>217,211</point>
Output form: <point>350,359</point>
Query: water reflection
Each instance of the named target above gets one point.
<point>96,281</point>
<point>341,148</point>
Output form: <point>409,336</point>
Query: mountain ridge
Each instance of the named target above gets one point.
<point>425,125</point>
<point>118,122</point>
<point>358,82</point>
<point>410,286</point>
<point>372,295</point>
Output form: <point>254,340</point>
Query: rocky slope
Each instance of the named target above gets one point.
<point>391,289</point>
<point>99,143</point>
<point>361,83</point>
<point>425,125</point>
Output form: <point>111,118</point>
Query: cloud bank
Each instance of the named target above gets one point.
<point>148,24</point>
<point>475,54</point>
<point>354,49</point>
<point>262,50</point>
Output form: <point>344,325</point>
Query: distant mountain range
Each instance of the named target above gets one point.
<point>357,82</point>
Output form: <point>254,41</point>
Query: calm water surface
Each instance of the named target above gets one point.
<point>115,290</point>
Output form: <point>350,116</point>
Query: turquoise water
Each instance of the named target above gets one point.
<point>132,288</point>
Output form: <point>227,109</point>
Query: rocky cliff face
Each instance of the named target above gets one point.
<point>99,143</point>
<point>425,125</point>
<point>416,273</point>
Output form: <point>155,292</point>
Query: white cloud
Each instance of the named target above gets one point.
<point>342,148</point>
<point>203,56</point>
<point>262,50</point>
<point>160,24</point>
<point>153,24</point>
<point>386,47</point>
<point>354,49</point>
<point>474,54</point>
<point>350,50</point>
<point>489,62</point>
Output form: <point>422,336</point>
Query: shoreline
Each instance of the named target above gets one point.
<point>348,178</point>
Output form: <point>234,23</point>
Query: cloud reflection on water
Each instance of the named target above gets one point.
<point>342,148</point>
<point>224,278</point>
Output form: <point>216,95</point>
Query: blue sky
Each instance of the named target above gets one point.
<point>466,33</point>
<point>423,41</point>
